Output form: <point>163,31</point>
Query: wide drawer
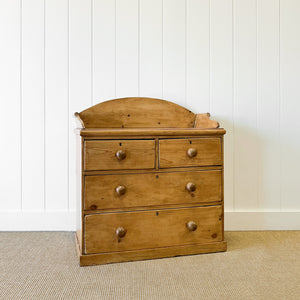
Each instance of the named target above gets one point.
<point>190,152</point>
<point>110,232</point>
<point>130,190</point>
<point>119,154</point>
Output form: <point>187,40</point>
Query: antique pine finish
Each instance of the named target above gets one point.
<point>150,182</point>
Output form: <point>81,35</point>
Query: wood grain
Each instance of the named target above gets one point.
<point>174,152</point>
<point>152,132</point>
<point>152,229</point>
<point>143,187</point>
<point>152,189</point>
<point>137,112</point>
<point>114,257</point>
<point>101,155</point>
<point>110,172</point>
<point>204,121</point>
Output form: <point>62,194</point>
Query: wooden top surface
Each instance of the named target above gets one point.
<point>138,112</point>
<point>107,132</point>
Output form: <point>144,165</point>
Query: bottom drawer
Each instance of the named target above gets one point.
<point>110,232</point>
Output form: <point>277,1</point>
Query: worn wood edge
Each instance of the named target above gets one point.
<point>154,253</point>
<point>78,238</point>
<point>147,137</point>
<point>139,99</point>
<point>79,121</point>
<point>94,132</point>
<point>204,121</point>
<point>160,169</point>
<point>116,105</point>
<point>145,171</point>
<point>153,207</point>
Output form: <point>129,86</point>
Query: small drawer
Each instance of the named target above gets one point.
<point>190,152</point>
<point>112,232</point>
<point>119,154</point>
<point>152,189</point>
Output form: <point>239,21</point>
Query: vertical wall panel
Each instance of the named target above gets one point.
<point>268,105</point>
<point>104,50</point>
<point>151,48</point>
<point>221,70</point>
<point>245,105</point>
<point>10,150</point>
<point>80,76</point>
<point>290,107</point>
<point>56,105</point>
<point>174,51</point>
<point>198,55</point>
<point>127,48</point>
<point>33,105</point>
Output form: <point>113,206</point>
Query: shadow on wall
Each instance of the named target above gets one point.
<point>252,176</point>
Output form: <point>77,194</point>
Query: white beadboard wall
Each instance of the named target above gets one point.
<point>237,59</point>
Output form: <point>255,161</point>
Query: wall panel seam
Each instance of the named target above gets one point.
<point>115,48</point>
<point>139,49</point>
<point>209,56</point>
<point>44,82</point>
<point>162,49</point>
<point>21,109</point>
<point>258,107</point>
<point>186,53</point>
<point>68,105</point>
<point>233,99</point>
<point>280,108</point>
<point>92,52</point>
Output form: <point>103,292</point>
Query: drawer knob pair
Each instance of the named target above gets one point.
<point>120,190</point>
<point>120,232</point>
<point>192,152</point>
<point>121,155</point>
<point>191,225</point>
<point>191,187</point>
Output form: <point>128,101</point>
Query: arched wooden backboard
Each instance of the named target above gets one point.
<point>138,112</point>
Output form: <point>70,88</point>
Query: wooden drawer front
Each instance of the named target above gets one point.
<point>190,152</point>
<point>150,229</point>
<point>129,190</point>
<point>133,154</point>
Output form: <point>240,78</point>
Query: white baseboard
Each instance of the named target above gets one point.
<point>65,221</point>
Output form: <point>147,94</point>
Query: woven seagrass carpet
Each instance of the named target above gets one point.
<point>257,265</point>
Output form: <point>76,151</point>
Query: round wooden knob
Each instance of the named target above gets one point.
<point>121,155</point>
<point>191,225</point>
<point>93,207</point>
<point>192,152</point>
<point>121,190</point>
<point>191,187</point>
<point>120,232</point>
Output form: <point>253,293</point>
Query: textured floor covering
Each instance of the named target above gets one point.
<point>258,265</point>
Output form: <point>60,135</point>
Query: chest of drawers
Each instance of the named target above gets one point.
<point>150,182</point>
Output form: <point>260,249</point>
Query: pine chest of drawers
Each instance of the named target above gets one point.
<point>150,182</point>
